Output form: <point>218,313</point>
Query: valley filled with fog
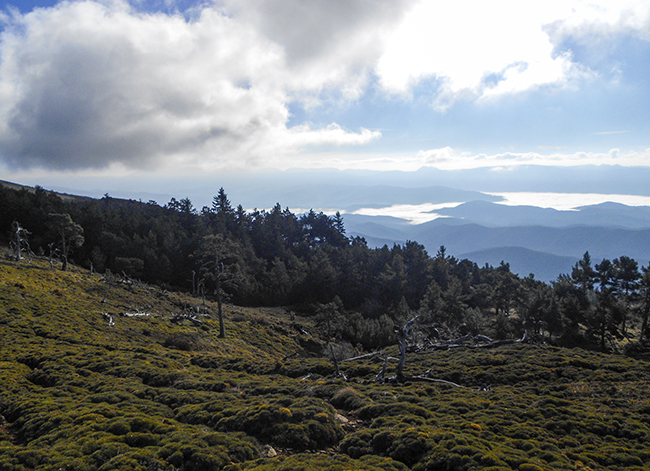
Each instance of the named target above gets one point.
<point>539,219</point>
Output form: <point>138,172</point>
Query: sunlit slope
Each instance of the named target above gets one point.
<point>46,307</point>
<point>161,391</point>
<point>80,392</point>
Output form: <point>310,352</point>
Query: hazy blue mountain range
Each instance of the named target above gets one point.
<point>480,228</point>
<point>542,250</point>
<point>545,242</point>
<point>546,266</point>
<point>264,188</point>
<point>498,215</point>
<point>351,198</point>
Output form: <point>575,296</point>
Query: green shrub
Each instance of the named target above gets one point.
<point>308,423</point>
<point>529,467</point>
<point>409,447</point>
<point>357,444</point>
<point>118,427</point>
<point>179,342</point>
<point>301,462</point>
<point>140,440</point>
<point>349,399</point>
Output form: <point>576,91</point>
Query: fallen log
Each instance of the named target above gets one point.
<point>138,314</point>
<point>424,379</point>
<point>479,341</point>
<point>362,357</point>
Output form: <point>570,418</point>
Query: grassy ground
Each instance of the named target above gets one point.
<point>156,392</point>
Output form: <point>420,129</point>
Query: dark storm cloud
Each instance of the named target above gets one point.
<point>311,29</point>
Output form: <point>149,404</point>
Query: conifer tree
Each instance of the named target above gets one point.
<point>69,234</point>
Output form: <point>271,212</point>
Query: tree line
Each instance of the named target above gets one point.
<point>277,258</point>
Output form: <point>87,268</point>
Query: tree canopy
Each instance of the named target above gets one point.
<point>274,257</point>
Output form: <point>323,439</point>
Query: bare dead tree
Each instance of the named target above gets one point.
<point>19,240</point>
<point>326,317</point>
<point>403,344</point>
<point>400,376</point>
<point>201,289</point>
<point>53,253</point>
<point>194,283</point>
<point>339,373</point>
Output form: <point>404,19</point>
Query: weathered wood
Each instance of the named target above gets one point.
<point>400,376</point>
<point>403,344</point>
<point>478,341</point>
<point>380,376</point>
<point>362,357</point>
<point>138,313</point>
<point>184,316</point>
<point>424,379</point>
<point>339,373</point>
<point>109,318</point>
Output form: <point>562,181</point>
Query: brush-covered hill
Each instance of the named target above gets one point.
<point>99,373</point>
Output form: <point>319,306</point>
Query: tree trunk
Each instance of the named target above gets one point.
<point>644,326</point>
<point>222,328</point>
<point>17,228</point>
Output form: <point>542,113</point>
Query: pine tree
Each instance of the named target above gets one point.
<point>69,233</point>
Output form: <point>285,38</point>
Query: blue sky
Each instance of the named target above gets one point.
<point>180,87</point>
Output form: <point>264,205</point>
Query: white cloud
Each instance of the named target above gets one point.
<point>438,156</point>
<point>610,15</point>
<point>87,84</point>
<point>328,43</point>
<point>413,213</point>
<point>605,133</point>
<point>448,159</point>
<point>333,134</point>
<point>478,49</point>
<point>567,201</point>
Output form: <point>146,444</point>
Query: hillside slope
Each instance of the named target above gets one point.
<point>155,390</point>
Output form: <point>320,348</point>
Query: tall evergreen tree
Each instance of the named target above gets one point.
<point>627,284</point>
<point>645,302</point>
<point>225,214</point>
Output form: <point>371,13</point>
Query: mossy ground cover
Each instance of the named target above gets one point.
<point>157,392</point>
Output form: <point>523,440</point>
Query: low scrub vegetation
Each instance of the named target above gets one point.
<point>99,373</point>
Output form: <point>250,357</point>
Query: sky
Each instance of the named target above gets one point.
<point>158,88</point>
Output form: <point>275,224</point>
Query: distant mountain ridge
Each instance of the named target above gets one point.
<point>480,227</point>
<point>546,250</point>
<point>523,262</point>
<point>350,198</point>
<point>609,214</point>
<point>18,187</point>
<point>553,248</point>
